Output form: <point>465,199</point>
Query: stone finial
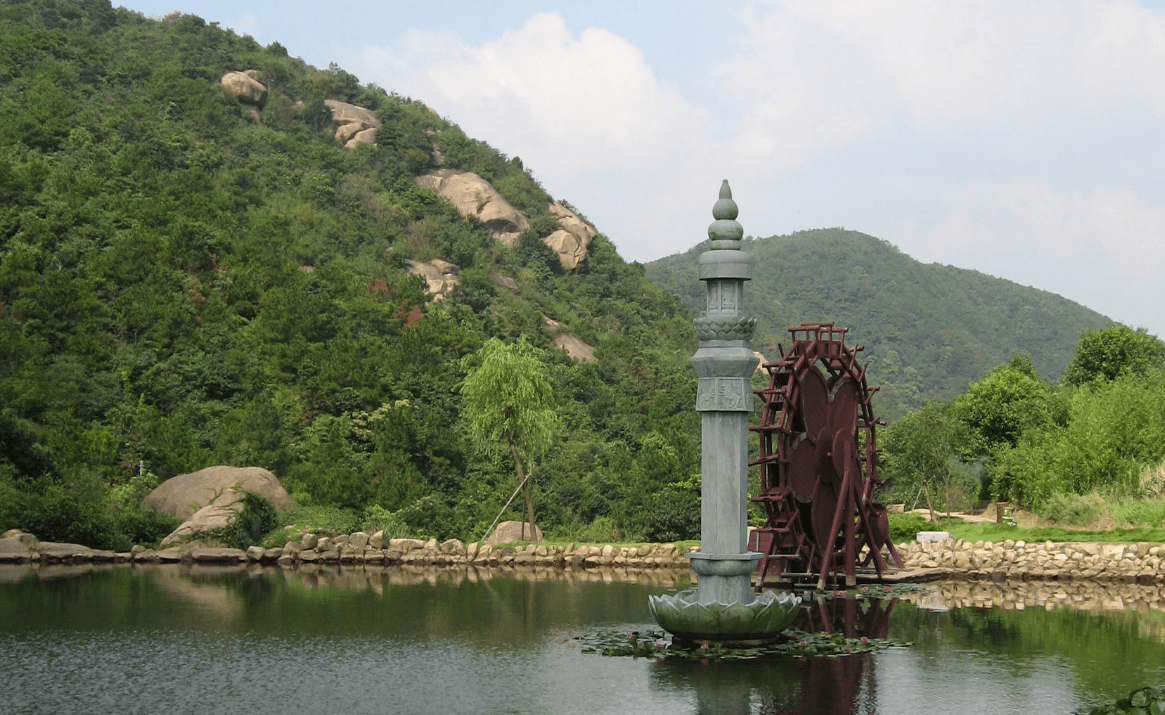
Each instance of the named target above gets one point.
<point>725,232</point>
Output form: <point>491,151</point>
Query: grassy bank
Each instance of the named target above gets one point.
<point>904,527</point>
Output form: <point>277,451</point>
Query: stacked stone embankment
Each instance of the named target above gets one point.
<point>1018,560</point>
<point>949,558</point>
<point>362,548</point>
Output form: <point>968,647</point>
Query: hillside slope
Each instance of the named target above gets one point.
<point>928,329</point>
<point>188,279</point>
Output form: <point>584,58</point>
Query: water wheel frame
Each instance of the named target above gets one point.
<point>818,463</point>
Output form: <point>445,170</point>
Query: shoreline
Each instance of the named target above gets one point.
<point>947,559</point>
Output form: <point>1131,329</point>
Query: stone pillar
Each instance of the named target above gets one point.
<point>721,608</point>
<point>724,363</point>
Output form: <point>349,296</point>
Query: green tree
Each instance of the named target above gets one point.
<point>919,450</point>
<point>1106,354</point>
<point>1010,400</point>
<point>508,404</point>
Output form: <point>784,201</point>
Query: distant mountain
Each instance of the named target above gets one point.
<point>928,329</point>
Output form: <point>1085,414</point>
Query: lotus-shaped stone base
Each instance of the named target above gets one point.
<point>758,621</point>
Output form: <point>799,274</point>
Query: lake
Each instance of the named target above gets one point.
<point>189,639</point>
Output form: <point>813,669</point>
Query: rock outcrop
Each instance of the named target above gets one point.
<point>185,494</point>
<point>246,88</point>
<point>571,241</point>
<point>440,277</point>
<point>210,499</point>
<point>353,124</point>
<point>475,197</point>
<point>571,345</point>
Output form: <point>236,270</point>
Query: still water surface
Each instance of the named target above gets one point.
<point>172,639</point>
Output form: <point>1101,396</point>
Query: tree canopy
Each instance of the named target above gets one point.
<point>509,404</point>
<point>1109,353</point>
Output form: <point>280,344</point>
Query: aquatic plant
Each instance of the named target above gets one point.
<point>1144,701</point>
<point>795,643</point>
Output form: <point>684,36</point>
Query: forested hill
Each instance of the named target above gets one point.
<point>187,279</point>
<point>928,329</point>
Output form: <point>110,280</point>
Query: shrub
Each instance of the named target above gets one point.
<point>1074,509</point>
<point>905,527</point>
<point>377,518</point>
<point>600,531</point>
<point>257,518</point>
<point>672,515</point>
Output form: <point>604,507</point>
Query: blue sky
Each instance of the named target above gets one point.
<point>1021,138</point>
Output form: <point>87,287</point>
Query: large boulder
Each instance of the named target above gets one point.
<point>245,88</point>
<point>575,347</point>
<point>354,124</point>
<point>213,517</point>
<point>510,531</point>
<point>440,276</point>
<point>475,197</point>
<point>185,494</point>
<point>571,241</point>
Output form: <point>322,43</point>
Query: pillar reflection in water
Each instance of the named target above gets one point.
<point>814,686</point>
<point>790,686</point>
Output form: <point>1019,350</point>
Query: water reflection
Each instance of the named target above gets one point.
<point>818,686</point>
<point>500,640</point>
<point>1091,596</point>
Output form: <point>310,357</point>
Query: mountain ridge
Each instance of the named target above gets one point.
<point>929,329</point>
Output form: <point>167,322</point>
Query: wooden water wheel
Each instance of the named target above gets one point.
<point>818,463</point>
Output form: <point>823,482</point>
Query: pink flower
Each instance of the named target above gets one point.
<point>703,646</point>
<point>846,649</point>
<point>803,644</point>
<point>865,640</point>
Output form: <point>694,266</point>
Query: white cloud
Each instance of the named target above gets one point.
<point>586,114</point>
<point>585,101</point>
<point>965,132</point>
<point>819,75</point>
<point>1033,222</point>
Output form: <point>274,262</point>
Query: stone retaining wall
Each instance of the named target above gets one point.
<point>1018,560</point>
<point>360,548</point>
<point>984,561</point>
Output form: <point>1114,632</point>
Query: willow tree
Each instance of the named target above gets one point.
<point>509,406</point>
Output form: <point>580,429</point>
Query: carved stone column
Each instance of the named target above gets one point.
<point>724,363</point>
<point>722,608</point>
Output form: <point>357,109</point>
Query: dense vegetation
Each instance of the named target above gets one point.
<point>182,286</point>
<point>928,329</point>
<point>1067,449</point>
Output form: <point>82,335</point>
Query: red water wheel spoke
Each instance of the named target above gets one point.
<point>811,452</point>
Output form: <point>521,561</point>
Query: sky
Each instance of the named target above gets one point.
<point>1021,138</point>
